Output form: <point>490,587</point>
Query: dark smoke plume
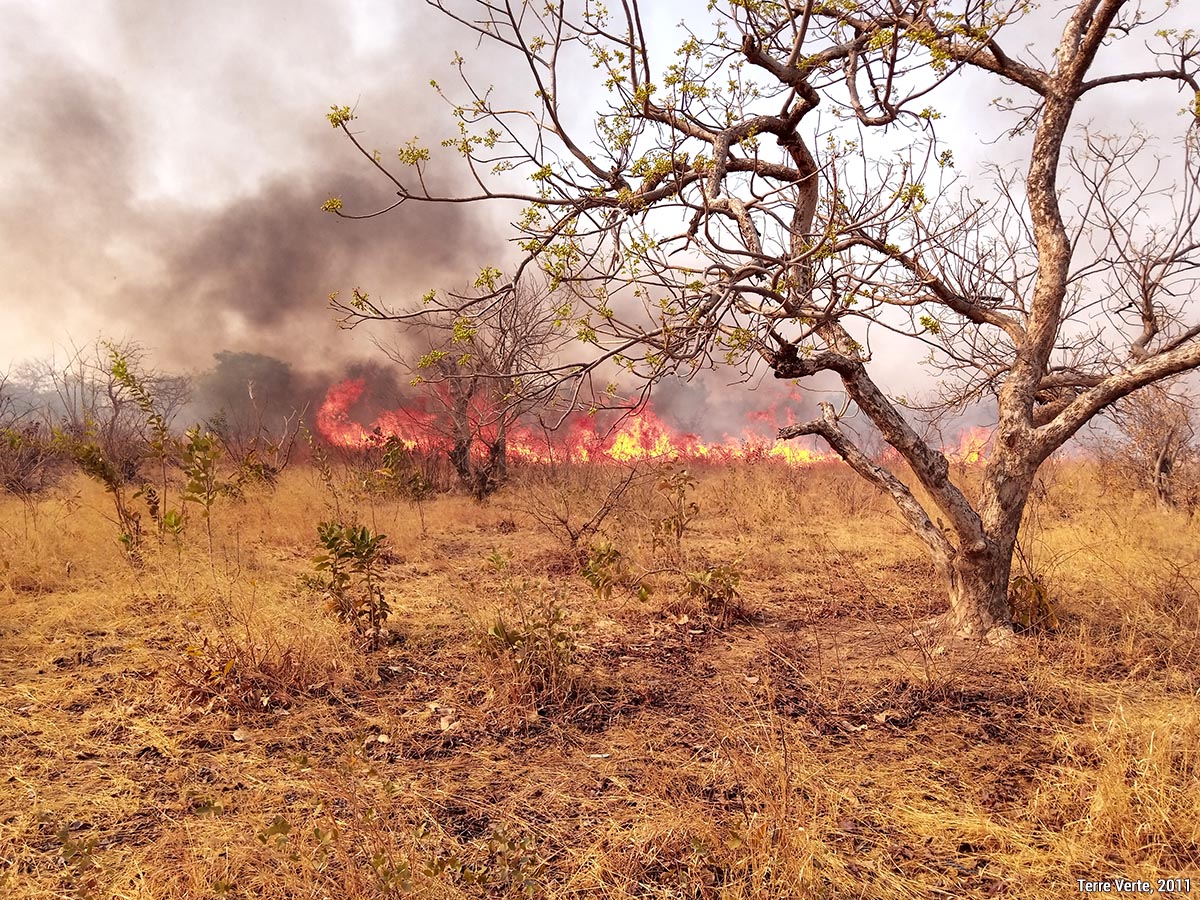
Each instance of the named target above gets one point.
<point>164,173</point>
<point>185,252</point>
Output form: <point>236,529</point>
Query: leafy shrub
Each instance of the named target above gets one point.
<point>605,568</point>
<point>676,487</point>
<point>511,865</point>
<point>93,463</point>
<point>534,649</point>
<point>1030,601</point>
<point>715,587</point>
<point>348,576</point>
<point>201,454</point>
<point>399,475</point>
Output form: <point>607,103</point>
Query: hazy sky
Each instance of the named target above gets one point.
<point>164,165</point>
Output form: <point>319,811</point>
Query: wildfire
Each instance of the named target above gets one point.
<point>972,447</point>
<point>640,436</point>
<point>414,427</point>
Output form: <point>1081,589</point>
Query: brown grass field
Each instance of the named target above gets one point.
<point>203,727</point>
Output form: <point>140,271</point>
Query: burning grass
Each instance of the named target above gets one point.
<point>637,437</point>
<point>601,743</point>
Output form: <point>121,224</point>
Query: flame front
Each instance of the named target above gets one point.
<point>972,446</point>
<point>415,428</point>
<point>642,435</point>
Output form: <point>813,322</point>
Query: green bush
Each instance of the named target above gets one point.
<point>348,575</point>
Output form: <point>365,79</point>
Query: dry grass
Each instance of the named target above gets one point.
<point>201,727</point>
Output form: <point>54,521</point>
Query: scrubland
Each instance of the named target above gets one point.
<point>731,699</point>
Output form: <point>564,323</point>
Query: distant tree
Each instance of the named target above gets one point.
<point>1158,425</point>
<point>28,461</point>
<point>775,193</point>
<point>246,397</point>
<point>81,397</point>
<point>227,387</point>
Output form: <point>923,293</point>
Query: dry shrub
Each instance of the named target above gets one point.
<point>751,495</point>
<point>57,541</point>
<point>841,493</point>
<point>262,651</point>
<point>748,815</point>
<point>765,498</point>
<point>1136,604</point>
<point>573,501</point>
<point>29,462</point>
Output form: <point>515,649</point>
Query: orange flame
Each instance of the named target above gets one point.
<point>972,447</point>
<point>413,427</point>
<point>641,436</point>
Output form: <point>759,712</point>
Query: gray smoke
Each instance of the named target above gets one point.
<point>120,219</point>
<point>164,170</point>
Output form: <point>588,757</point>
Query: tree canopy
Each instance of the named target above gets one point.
<point>775,192</point>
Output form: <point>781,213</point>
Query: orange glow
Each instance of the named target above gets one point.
<point>413,427</point>
<point>972,447</point>
<point>639,436</point>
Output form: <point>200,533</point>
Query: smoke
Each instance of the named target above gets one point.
<point>165,169</point>
<point>121,218</point>
<point>715,409</point>
<point>240,383</point>
<point>245,387</point>
<point>256,273</point>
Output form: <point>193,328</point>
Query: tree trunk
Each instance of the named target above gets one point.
<point>977,575</point>
<point>977,584</point>
<point>499,454</point>
<point>460,458</point>
<point>1164,465</point>
<point>489,473</point>
<point>498,460</point>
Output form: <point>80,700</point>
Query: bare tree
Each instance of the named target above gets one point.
<point>28,461</point>
<point>1158,426</point>
<point>482,373</point>
<point>85,400</point>
<point>260,449</point>
<point>776,193</point>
